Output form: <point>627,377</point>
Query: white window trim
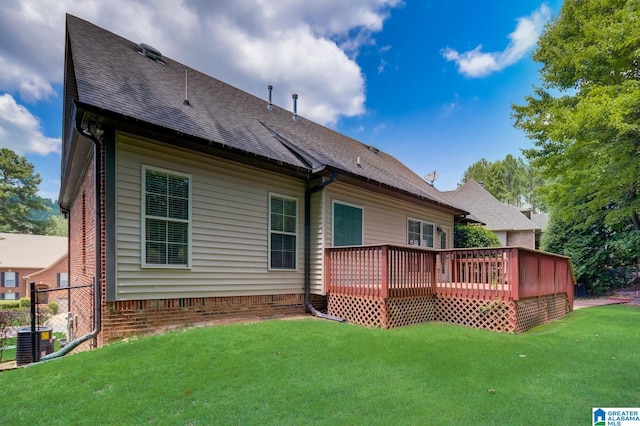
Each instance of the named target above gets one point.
<point>296,234</point>
<point>333,228</point>
<point>143,230</point>
<point>422,222</point>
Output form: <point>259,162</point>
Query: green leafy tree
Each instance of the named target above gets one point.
<point>584,119</point>
<point>600,263</point>
<point>18,200</point>
<point>57,226</point>
<point>511,180</point>
<point>470,236</point>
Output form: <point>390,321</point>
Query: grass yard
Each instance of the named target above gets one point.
<point>320,372</point>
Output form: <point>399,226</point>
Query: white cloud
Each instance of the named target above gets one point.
<point>21,132</point>
<point>302,47</point>
<point>475,63</point>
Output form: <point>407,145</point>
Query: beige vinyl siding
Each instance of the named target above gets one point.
<point>385,220</point>
<point>317,243</point>
<point>230,248</point>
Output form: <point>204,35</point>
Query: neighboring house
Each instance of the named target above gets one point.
<point>542,221</point>
<point>190,199</point>
<point>510,225</point>
<point>31,258</point>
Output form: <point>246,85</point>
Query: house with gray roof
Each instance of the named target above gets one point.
<point>511,226</point>
<point>190,200</point>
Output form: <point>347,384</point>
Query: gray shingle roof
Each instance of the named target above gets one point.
<point>112,76</point>
<point>482,205</point>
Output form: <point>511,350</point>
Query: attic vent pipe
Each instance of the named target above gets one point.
<point>186,88</point>
<point>150,52</point>
<point>295,106</point>
<point>270,106</point>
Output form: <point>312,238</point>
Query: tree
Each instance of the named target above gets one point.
<point>511,180</point>
<point>596,253</point>
<point>18,188</point>
<point>470,236</point>
<point>584,119</point>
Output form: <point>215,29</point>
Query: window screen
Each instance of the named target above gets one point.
<point>283,219</point>
<point>419,233</point>
<point>167,215</point>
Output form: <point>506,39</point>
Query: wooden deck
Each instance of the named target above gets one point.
<point>505,288</point>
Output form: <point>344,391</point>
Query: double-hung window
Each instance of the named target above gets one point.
<point>283,232</point>
<point>419,233</point>
<point>63,279</point>
<point>166,218</point>
<point>347,224</point>
<point>9,279</point>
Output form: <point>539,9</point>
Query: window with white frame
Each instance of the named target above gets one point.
<point>419,233</point>
<point>347,224</point>
<point>283,232</point>
<point>9,296</point>
<point>166,218</point>
<point>9,279</point>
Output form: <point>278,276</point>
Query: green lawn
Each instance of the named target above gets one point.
<point>321,372</point>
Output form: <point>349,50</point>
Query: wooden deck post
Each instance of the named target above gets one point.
<point>384,266</point>
<point>327,270</point>
<point>514,274</point>
<point>434,273</point>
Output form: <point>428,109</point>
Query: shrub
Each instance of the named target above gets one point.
<point>53,308</point>
<point>25,302</point>
<point>9,304</point>
<point>7,320</point>
<point>471,236</point>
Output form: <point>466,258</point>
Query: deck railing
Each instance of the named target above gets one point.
<point>507,273</point>
<point>380,271</point>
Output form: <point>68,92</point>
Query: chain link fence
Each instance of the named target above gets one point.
<point>68,311</point>
<point>47,321</point>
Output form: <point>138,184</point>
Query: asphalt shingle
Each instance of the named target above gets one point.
<point>112,75</point>
<point>486,208</point>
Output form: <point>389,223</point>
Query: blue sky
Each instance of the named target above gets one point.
<point>430,82</point>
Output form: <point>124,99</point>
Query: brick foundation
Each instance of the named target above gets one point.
<point>127,318</point>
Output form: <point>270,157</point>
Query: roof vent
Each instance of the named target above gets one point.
<point>270,106</point>
<point>150,52</point>
<point>373,149</point>
<point>295,107</point>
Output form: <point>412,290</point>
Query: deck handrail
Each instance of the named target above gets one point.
<point>387,270</point>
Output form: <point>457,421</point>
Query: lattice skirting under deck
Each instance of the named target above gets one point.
<point>535,311</point>
<point>367,311</point>
<point>494,315</point>
<point>410,310</point>
<point>383,313</point>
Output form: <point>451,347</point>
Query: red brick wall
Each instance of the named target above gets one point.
<point>22,286</point>
<point>82,240</point>
<point>127,318</point>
